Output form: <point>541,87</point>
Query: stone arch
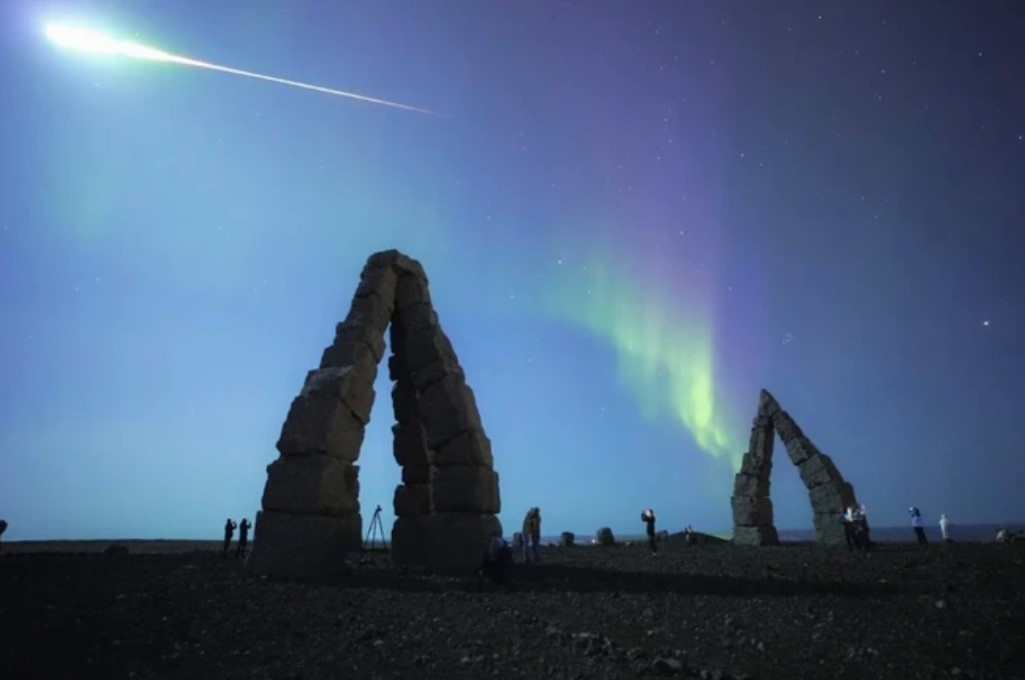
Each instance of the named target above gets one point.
<point>828,492</point>
<point>447,504</point>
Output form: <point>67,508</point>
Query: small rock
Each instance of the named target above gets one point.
<point>667,665</point>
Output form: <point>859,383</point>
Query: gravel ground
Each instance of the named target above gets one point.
<point>793,612</point>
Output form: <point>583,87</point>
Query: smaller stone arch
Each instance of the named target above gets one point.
<point>828,492</point>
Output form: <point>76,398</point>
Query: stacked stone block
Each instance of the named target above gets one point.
<point>447,503</point>
<point>828,492</point>
<point>751,504</point>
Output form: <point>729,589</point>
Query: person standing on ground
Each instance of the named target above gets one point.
<point>648,517</point>
<point>243,538</point>
<point>945,527</point>
<point>495,562</point>
<point>917,525</point>
<point>229,531</point>
<point>849,530</point>
<point>3,527</point>
<point>532,534</point>
<point>862,527</point>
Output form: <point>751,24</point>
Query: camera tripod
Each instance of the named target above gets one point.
<point>376,532</point>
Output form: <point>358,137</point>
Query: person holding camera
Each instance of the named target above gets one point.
<point>918,525</point>
<point>648,517</point>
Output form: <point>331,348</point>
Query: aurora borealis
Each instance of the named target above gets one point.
<point>631,221</point>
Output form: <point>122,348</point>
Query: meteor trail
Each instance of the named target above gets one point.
<point>86,40</point>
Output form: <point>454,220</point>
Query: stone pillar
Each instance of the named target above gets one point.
<point>753,521</point>
<point>462,486</point>
<point>311,513</point>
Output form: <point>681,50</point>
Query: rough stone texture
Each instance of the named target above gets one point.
<point>757,535</point>
<point>799,450</point>
<point>405,403</point>
<point>751,511</point>
<point>785,427</point>
<point>459,539</point>
<point>411,540</point>
<point>448,408</point>
<point>409,446</point>
<point>288,545</point>
<point>354,386</point>
<point>416,474</point>
<point>427,347</point>
<point>317,485</point>
<point>750,485</point>
<point>412,290</point>
<point>446,504</point>
<point>828,492</point>
<point>819,470</point>
<point>465,488</point>
<point>413,500</point>
<point>605,537</point>
<point>762,441</point>
<point>370,311</point>
<point>829,528</point>
<point>321,424</point>
<point>831,498</point>
<point>435,372</point>
<point>567,539</point>
<point>767,404</point>
<point>469,448</point>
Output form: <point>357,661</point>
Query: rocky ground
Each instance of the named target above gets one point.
<point>708,611</point>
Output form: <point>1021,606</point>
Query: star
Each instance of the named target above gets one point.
<point>986,322</point>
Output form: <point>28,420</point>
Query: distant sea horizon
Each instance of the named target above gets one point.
<point>890,534</point>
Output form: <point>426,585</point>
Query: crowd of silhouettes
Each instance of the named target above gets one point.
<point>243,537</point>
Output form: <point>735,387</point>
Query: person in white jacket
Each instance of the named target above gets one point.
<point>945,527</point>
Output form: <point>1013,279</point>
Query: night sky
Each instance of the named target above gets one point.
<point>634,215</point>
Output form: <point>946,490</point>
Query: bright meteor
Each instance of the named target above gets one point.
<point>85,40</point>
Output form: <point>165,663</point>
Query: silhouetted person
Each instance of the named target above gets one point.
<point>850,531</point>
<point>229,531</point>
<point>688,536</point>
<point>532,534</point>
<point>243,538</point>
<point>3,528</point>
<point>861,528</point>
<point>648,517</point>
<point>917,525</point>
<point>495,562</point>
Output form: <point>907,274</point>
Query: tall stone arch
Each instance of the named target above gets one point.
<point>828,492</point>
<point>447,503</point>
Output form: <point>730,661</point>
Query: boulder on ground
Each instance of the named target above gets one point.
<point>567,539</point>
<point>605,537</point>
